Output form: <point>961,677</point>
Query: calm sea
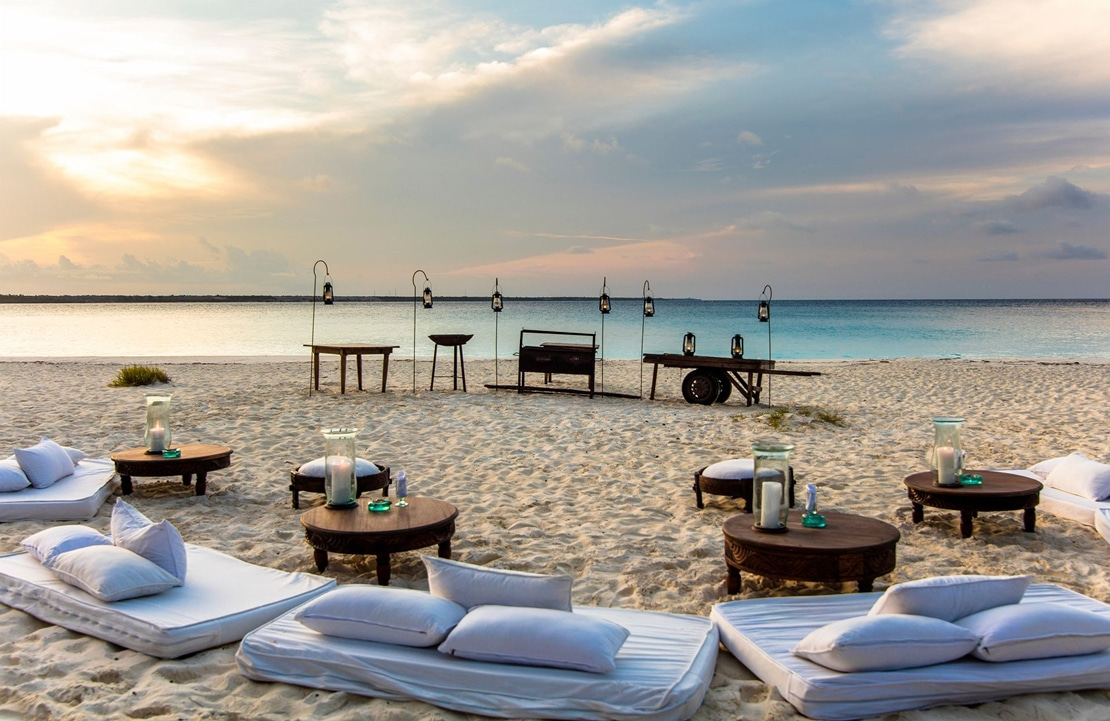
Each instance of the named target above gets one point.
<point>799,330</point>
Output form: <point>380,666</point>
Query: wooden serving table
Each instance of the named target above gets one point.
<point>348,349</point>
<point>999,492</point>
<point>712,379</point>
<point>556,357</point>
<point>850,548</point>
<point>424,522</point>
<point>194,459</point>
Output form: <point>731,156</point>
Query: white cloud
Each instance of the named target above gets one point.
<point>507,162</point>
<point>1053,43</point>
<point>747,137</point>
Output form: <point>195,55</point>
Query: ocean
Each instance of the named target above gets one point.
<point>798,329</point>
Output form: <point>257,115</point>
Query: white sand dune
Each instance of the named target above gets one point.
<point>599,488</point>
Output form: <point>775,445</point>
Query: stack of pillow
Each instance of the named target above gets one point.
<point>936,620</point>
<point>477,613</point>
<point>140,558</point>
<point>40,466</point>
<point>1076,474</point>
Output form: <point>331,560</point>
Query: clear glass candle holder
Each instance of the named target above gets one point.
<point>158,437</point>
<point>946,457</point>
<point>340,480</point>
<point>771,486</point>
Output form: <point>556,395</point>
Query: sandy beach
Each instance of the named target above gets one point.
<point>597,488</point>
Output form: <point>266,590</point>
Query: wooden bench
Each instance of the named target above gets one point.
<point>550,357</point>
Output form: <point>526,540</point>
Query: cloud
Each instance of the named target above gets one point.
<point>1067,251</point>
<point>1055,44</point>
<point>578,250</point>
<point>574,144</point>
<point>772,220</point>
<point>999,256</point>
<point>315,184</point>
<point>747,137</point>
<point>709,165</point>
<point>998,227</point>
<point>507,162</point>
<point>1054,193</point>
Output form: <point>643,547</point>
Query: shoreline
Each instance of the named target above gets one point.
<point>596,488</point>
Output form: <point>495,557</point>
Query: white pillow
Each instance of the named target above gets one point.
<point>315,468</point>
<point>951,597</point>
<point>75,455</point>
<point>885,643</point>
<point>44,463</point>
<point>157,542</point>
<point>111,573</point>
<point>537,637</point>
<point>398,616</point>
<point>1043,468</point>
<point>471,586</point>
<point>12,477</point>
<point>46,544</point>
<point>1037,630</point>
<point>1080,476</point>
<point>734,469</point>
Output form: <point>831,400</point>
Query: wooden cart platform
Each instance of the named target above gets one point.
<point>712,379</point>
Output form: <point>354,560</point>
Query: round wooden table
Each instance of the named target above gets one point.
<point>196,459</point>
<point>849,548</point>
<point>424,522</point>
<point>999,492</point>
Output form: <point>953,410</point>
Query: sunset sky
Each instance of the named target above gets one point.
<point>872,149</point>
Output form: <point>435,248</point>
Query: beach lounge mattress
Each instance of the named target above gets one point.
<point>663,671</point>
<point>761,632</point>
<point>223,598</point>
<point>73,498</point>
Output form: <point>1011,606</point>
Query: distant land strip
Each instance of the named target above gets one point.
<point>275,298</point>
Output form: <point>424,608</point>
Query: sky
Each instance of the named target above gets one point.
<point>830,149</point>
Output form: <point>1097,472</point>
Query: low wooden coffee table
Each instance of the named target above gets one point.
<point>424,522</point>
<point>849,548</point>
<point>196,459</point>
<point>1000,492</point>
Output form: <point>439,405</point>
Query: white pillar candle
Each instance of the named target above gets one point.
<point>157,438</point>
<point>340,468</point>
<point>769,510</point>
<point>946,465</point>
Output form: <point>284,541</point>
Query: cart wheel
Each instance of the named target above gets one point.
<point>700,386</point>
<point>726,385</point>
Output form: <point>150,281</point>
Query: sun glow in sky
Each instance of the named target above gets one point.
<point>870,149</point>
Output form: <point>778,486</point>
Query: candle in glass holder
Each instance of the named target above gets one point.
<point>946,465</point>
<point>340,467</point>
<point>157,438</point>
<point>769,511</point>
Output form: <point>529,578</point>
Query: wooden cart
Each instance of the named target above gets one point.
<point>713,379</point>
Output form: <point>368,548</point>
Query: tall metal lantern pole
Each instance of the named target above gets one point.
<point>497,304</point>
<point>427,296</point>
<point>328,297</point>
<point>649,311</point>
<point>604,305</point>
<point>764,314</point>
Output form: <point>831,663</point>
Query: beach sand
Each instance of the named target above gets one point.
<point>600,489</point>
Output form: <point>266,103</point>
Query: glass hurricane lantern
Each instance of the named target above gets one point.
<point>770,489</point>
<point>157,437</point>
<point>946,457</point>
<point>340,480</point>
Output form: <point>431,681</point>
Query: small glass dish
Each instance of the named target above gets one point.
<point>171,453</point>
<point>379,505</point>
<point>970,479</point>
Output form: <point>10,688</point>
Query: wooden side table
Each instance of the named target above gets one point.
<point>424,522</point>
<point>999,492</point>
<point>194,459</point>
<point>849,548</point>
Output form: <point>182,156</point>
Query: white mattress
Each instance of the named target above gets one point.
<point>73,498</point>
<point>663,671</point>
<point>223,598</point>
<point>761,632</point>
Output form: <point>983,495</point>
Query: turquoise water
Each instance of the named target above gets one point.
<point>799,330</point>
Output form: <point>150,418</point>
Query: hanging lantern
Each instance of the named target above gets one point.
<point>427,296</point>
<point>737,346</point>
<point>603,303</point>
<point>764,312</point>
<point>688,344</point>
<point>649,306</point>
<point>496,302</point>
